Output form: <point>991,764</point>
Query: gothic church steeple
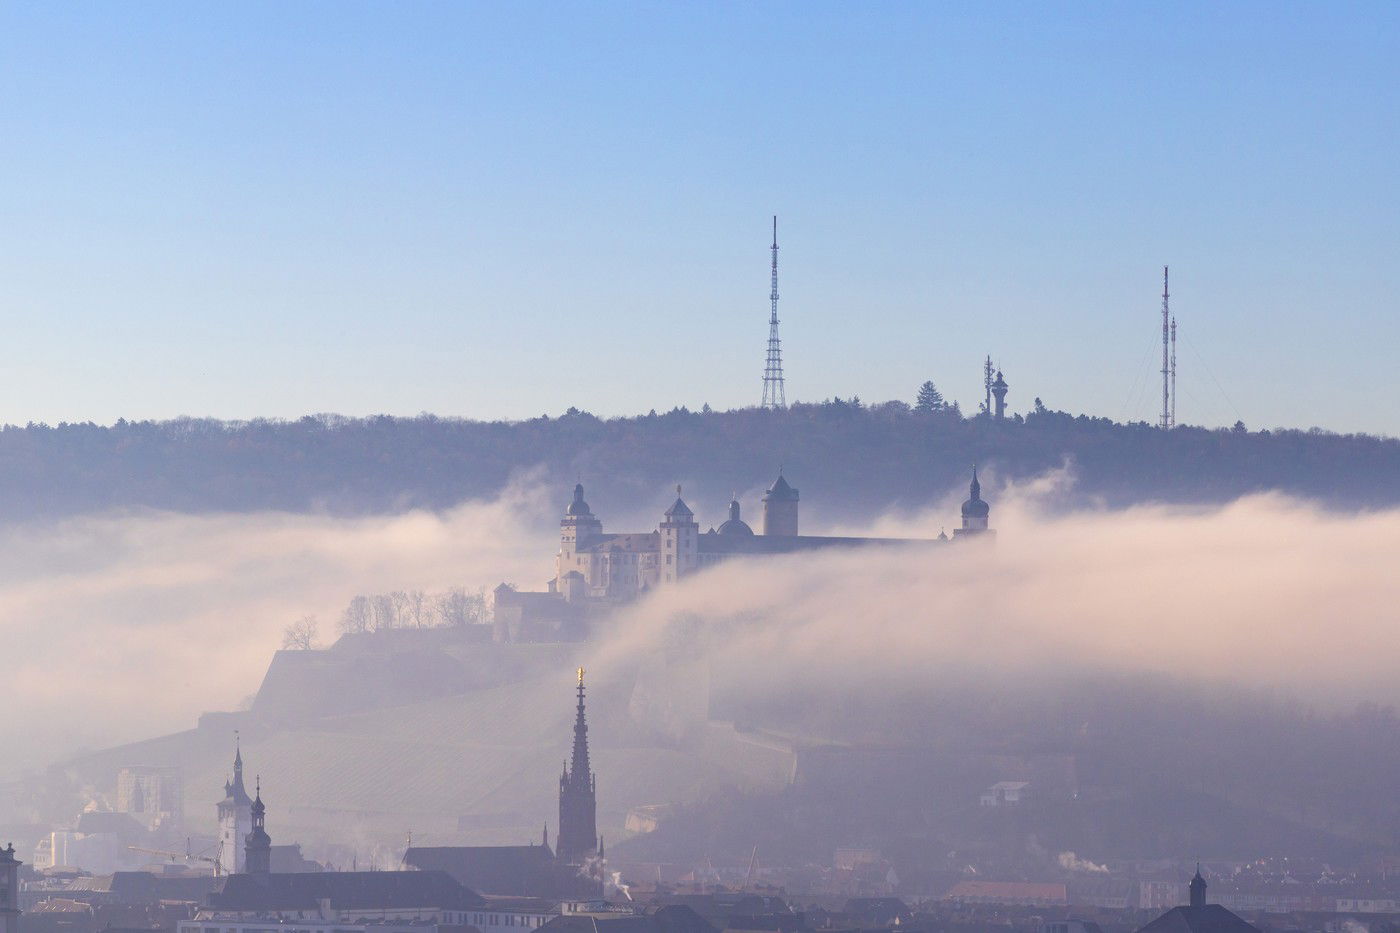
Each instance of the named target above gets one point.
<point>578,802</point>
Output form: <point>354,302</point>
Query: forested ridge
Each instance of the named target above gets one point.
<point>851,457</point>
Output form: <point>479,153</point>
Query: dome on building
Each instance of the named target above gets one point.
<point>974,507</point>
<point>735,525</point>
<point>578,506</point>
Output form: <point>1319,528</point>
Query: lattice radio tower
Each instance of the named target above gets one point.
<point>1168,361</point>
<point>773,395</point>
<point>1173,370</point>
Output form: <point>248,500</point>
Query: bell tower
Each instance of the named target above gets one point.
<point>257,859</point>
<point>9,890</point>
<point>1198,889</point>
<point>975,512</point>
<point>235,817</point>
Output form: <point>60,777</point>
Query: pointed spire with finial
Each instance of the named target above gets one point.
<point>1198,888</point>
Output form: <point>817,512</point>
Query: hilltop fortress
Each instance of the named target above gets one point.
<point>594,571</point>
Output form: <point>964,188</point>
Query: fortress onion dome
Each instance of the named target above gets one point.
<point>974,507</point>
<point>735,525</point>
<point>578,506</point>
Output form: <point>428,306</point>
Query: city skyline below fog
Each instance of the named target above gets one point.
<point>498,212</point>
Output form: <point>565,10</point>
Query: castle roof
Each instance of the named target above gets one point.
<point>679,509</point>
<point>578,508</point>
<point>787,544</point>
<point>625,541</point>
<point>780,491</point>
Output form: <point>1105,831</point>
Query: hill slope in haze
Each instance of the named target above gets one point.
<point>853,459</point>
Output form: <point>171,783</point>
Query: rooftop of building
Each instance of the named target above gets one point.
<point>513,871</point>
<point>1209,918</point>
<point>350,890</point>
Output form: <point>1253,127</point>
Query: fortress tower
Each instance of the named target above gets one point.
<point>575,528</point>
<point>780,509</point>
<point>578,800</point>
<point>680,542</point>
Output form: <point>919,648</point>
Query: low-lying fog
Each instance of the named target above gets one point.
<point>118,627</point>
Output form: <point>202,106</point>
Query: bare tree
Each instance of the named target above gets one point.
<point>300,635</point>
<point>403,616</point>
<point>476,606</point>
<point>453,607</point>
<point>418,608</point>
<point>356,617</point>
<point>382,613</point>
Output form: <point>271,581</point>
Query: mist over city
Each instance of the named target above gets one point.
<point>684,469</point>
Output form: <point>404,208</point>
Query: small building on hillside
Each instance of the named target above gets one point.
<point>1006,794</point>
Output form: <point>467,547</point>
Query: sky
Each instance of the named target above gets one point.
<point>496,210</point>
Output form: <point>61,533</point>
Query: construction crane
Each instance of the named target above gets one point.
<point>216,859</point>
<point>748,875</point>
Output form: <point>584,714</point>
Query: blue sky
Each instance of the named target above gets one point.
<point>497,210</point>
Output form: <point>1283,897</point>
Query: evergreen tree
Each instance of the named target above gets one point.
<point>929,398</point>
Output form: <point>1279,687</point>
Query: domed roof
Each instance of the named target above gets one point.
<point>735,525</point>
<point>974,507</point>
<point>578,506</point>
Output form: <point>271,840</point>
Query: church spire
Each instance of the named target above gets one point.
<point>257,856</point>
<point>235,789</point>
<point>577,838</point>
<point>1198,888</point>
<point>579,769</point>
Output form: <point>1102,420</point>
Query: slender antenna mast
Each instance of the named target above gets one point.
<point>1173,371</point>
<point>987,384</point>
<point>1166,423</point>
<point>773,395</point>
